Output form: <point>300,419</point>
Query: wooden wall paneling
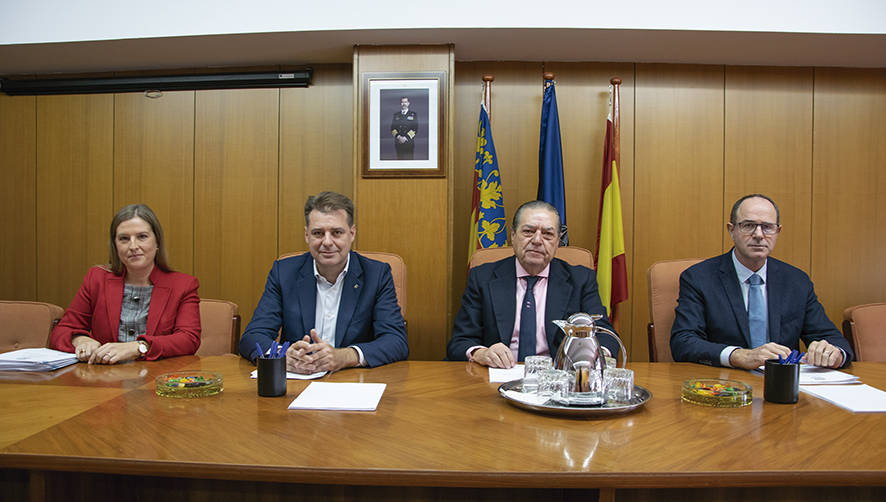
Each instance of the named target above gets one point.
<point>316,129</point>
<point>582,101</point>
<point>516,111</point>
<point>768,150</point>
<point>236,175</point>
<point>849,188</point>
<point>409,217</point>
<point>678,174</point>
<point>154,165</point>
<point>18,157</point>
<point>74,190</point>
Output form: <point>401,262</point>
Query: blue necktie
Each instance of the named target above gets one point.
<point>757,321</point>
<point>527,321</point>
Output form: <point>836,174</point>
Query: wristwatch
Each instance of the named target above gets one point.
<point>143,348</point>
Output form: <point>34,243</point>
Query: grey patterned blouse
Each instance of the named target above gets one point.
<point>134,314</point>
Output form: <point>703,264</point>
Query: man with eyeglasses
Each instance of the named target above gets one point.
<point>507,307</point>
<point>742,308</point>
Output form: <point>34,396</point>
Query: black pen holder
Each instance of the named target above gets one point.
<point>271,376</point>
<point>781,382</point>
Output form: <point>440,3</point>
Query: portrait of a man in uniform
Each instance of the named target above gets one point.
<point>404,128</point>
<point>404,124</point>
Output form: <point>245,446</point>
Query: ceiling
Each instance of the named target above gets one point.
<point>471,44</point>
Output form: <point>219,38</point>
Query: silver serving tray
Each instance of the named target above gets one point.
<point>640,397</point>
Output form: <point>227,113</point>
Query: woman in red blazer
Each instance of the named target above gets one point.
<point>136,307</point>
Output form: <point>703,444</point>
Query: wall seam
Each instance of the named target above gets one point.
<point>723,167</point>
<point>812,179</point>
<point>633,208</point>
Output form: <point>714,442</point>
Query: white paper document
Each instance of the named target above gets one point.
<point>855,398</point>
<point>293,376</point>
<point>527,398</point>
<point>41,359</point>
<point>816,375</point>
<point>506,374</point>
<point>339,396</point>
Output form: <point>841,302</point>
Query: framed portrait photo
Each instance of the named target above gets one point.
<point>403,124</point>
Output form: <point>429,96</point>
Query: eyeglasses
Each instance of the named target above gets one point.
<point>749,227</point>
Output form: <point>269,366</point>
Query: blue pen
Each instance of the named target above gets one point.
<point>273,353</point>
<point>283,349</point>
<point>258,351</point>
<point>781,361</point>
<point>799,356</point>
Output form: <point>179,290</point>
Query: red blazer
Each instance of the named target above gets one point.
<point>173,316</point>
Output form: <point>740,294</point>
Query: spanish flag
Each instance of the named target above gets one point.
<point>612,275</point>
<point>488,224</point>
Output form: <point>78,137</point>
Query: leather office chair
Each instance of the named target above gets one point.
<point>572,255</point>
<point>398,271</point>
<point>26,324</point>
<point>219,327</point>
<point>664,288</point>
<point>865,328</point>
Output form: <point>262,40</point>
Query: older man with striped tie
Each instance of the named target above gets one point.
<point>508,306</point>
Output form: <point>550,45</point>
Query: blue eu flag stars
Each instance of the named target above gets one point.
<point>488,225</point>
<point>550,159</point>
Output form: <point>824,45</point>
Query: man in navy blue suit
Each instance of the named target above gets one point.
<point>491,330</point>
<point>337,308</point>
<point>742,308</point>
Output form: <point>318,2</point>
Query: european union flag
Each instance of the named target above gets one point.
<point>488,224</point>
<point>550,159</point>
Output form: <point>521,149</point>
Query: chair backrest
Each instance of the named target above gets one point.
<point>867,331</point>
<point>572,255</point>
<point>398,271</point>
<point>219,327</point>
<point>664,288</point>
<point>26,324</point>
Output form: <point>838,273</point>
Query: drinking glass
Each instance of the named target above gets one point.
<point>549,382</point>
<point>619,384</point>
<point>533,365</point>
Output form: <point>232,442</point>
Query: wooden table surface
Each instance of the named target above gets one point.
<point>438,424</point>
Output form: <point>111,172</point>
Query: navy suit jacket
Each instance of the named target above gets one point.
<point>489,307</point>
<point>368,315</point>
<point>711,313</point>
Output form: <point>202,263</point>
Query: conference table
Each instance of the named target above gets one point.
<point>441,432</point>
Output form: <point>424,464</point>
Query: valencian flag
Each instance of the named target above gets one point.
<point>488,225</point>
<point>550,158</point>
<point>612,275</point>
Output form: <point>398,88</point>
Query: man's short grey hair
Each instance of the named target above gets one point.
<point>534,204</point>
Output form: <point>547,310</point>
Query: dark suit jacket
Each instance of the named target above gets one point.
<point>173,316</point>
<point>711,314</point>
<point>489,306</point>
<point>368,315</point>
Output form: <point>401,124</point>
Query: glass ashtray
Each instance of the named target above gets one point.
<point>188,384</point>
<point>717,393</point>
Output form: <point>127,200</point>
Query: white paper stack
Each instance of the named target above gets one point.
<point>855,398</point>
<point>339,396</point>
<point>506,374</point>
<point>816,375</point>
<point>293,376</point>
<point>41,359</point>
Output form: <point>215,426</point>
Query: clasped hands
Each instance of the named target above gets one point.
<point>312,355</point>
<point>89,350</point>
<point>819,353</point>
